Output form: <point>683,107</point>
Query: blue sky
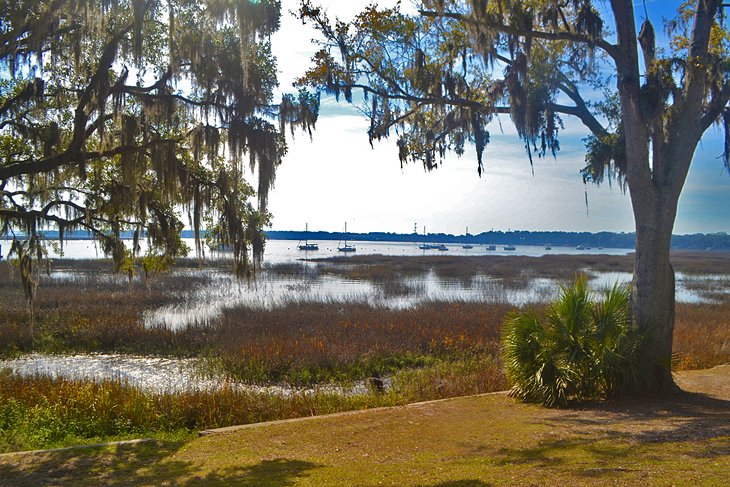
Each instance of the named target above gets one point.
<point>337,177</point>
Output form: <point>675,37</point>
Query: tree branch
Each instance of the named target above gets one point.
<point>628,78</point>
<point>69,158</point>
<point>609,48</point>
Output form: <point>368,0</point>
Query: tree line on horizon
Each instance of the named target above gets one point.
<point>696,241</point>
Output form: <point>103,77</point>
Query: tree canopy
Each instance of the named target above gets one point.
<point>439,78</point>
<point>124,115</point>
<point>436,80</point>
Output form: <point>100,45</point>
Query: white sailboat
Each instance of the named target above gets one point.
<point>346,247</point>
<point>306,245</point>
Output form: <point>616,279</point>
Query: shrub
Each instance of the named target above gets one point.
<point>584,349</point>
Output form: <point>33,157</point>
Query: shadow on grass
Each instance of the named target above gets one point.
<point>461,483</point>
<point>278,472</point>
<point>688,416</point>
<point>147,464</point>
<point>610,432</point>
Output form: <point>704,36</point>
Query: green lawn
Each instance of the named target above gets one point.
<point>481,440</point>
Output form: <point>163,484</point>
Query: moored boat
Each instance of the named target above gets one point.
<point>346,247</point>
<point>306,245</point>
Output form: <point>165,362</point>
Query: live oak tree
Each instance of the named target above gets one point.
<point>438,78</point>
<point>124,115</point>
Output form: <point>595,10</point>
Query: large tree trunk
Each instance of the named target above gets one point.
<point>653,289</point>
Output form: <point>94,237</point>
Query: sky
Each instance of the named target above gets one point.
<point>336,177</point>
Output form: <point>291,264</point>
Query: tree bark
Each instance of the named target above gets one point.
<point>654,187</point>
<point>653,285</point>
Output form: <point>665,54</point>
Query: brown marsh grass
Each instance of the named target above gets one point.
<point>90,310</point>
<point>702,335</point>
<point>557,266</point>
<point>308,341</point>
<point>325,337</point>
<point>465,268</point>
<point>299,342</point>
<point>430,351</point>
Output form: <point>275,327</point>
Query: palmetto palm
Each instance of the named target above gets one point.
<point>584,349</point>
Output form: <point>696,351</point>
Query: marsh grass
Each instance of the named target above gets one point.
<point>557,266</point>
<point>394,288</point>
<point>300,342</point>
<point>41,412</point>
<point>466,268</point>
<point>702,334</point>
<point>293,269</point>
<point>306,342</point>
<point>89,310</point>
<point>715,289</point>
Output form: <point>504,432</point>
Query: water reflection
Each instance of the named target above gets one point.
<point>155,374</point>
<point>689,288</point>
<point>271,290</point>
<point>151,373</point>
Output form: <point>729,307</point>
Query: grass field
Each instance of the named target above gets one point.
<point>470,441</point>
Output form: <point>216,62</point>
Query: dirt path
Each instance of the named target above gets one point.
<point>713,382</point>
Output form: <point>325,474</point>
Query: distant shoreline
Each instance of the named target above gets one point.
<point>698,241</point>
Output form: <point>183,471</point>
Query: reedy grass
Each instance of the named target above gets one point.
<point>561,267</point>
<point>702,335</point>
<point>302,342</point>
<point>41,412</point>
<point>305,342</point>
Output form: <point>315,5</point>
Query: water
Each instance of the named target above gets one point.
<point>224,291</point>
<point>270,290</point>
<point>150,373</point>
<point>279,251</point>
<point>153,374</point>
<point>689,288</point>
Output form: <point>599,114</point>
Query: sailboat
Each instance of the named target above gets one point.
<point>306,245</point>
<point>467,246</point>
<point>346,247</point>
<point>424,245</point>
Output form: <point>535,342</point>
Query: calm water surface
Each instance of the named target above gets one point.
<point>224,291</point>
<point>155,374</point>
<point>278,251</point>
